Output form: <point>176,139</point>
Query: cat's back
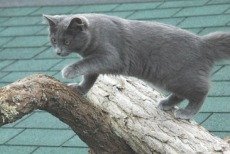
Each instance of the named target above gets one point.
<point>103,19</point>
<point>151,27</point>
<point>154,37</point>
<point>149,35</point>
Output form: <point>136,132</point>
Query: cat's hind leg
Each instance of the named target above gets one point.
<point>193,107</point>
<point>169,103</point>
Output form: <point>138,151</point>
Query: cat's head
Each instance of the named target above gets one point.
<point>68,33</point>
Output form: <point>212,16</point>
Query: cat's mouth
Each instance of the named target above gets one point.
<point>63,54</point>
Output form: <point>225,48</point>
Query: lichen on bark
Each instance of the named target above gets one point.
<point>7,111</point>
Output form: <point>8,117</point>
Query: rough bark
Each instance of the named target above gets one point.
<point>118,115</point>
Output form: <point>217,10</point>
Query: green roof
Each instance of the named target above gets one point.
<point>25,49</point>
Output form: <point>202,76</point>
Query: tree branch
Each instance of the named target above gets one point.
<point>119,115</point>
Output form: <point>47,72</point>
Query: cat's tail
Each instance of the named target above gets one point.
<point>218,44</point>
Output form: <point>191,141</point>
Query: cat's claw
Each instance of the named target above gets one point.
<point>69,72</point>
<point>183,114</point>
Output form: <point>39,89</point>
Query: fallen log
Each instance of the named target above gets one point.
<point>118,115</point>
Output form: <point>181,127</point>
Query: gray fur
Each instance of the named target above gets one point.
<point>166,56</point>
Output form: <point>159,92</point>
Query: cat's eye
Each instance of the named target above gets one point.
<point>67,42</point>
<point>53,40</point>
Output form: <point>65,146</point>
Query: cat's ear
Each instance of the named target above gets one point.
<point>50,20</point>
<point>78,23</point>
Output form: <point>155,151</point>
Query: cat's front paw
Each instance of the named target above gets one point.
<point>78,88</point>
<point>69,72</point>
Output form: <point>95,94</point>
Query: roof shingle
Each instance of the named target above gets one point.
<point>24,49</point>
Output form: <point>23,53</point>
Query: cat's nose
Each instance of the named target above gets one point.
<point>58,52</point>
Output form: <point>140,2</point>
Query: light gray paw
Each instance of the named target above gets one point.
<point>69,72</point>
<point>183,114</point>
<point>78,88</point>
<point>163,105</point>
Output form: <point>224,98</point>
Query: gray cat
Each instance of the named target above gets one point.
<point>166,56</point>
